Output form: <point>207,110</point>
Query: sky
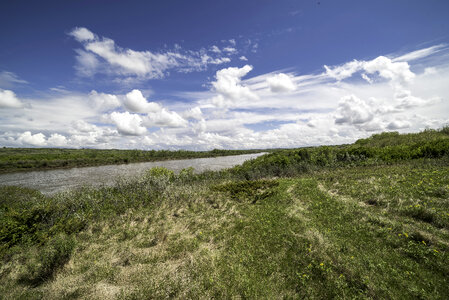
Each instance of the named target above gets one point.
<point>199,75</point>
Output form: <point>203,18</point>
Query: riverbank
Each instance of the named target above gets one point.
<point>368,220</point>
<point>52,181</point>
<point>32,159</point>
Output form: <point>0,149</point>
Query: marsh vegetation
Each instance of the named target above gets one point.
<point>367,220</point>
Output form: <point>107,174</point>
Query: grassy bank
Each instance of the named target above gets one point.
<point>27,159</point>
<point>320,222</point>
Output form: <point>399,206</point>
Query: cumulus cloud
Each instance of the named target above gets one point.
<point>397,72</point>
<point>37,139</point>
<point>281,83</point>
<point>405,100</point>
<point>104,102</point>
<point>165,118</point>
<point>398,124</point>
<point>8,99</point>
<point>136,102</point>
<point>83,126</point>
<point>82,34</point>
<point>101,54</point>
<point>128,124</point>
<point>386,97</point>
<point>229,88</point>
<point>57,140</point>
<point>229,50</point>
<point>243,58</point>
<point>354,111</point>
<point>193,114</point>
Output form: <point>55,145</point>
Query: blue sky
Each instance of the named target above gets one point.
<point>219,74</point>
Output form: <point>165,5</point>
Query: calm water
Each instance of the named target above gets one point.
<point>52,181</point>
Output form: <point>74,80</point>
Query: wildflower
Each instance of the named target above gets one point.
<point>405,233</point>
<point>321,264</point>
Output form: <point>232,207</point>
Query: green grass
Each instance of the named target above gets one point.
<point>26,159</point>
<point>316,229</point>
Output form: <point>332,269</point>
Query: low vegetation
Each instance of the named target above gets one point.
<point>367,220</point>
<point>27,159</point>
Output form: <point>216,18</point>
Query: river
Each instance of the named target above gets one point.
<point>52,181</point>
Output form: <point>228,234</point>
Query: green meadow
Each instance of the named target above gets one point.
<point>366,220</point>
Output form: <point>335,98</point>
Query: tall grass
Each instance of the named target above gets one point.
<point>325,222</point>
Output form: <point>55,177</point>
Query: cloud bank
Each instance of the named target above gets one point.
<point>403,92</point>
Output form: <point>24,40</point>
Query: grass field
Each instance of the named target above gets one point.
<point>28,159</point>
<point>368,220</point>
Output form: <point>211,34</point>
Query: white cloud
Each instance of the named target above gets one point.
<point>398,72</point>
<point>420,53</point>
<point>344,71</point>
<point>243,58</point>
<point>405,100</point>
<point>232,42</point>
<point>398,124</point>
<point>206,59</point>
<point>102,55</point>
<point>430,71</point>
<point>83,126</point>
<point>82,34</point>
<point>281,83</point>
<point>87,63</point>
<point>230,50</point>
<point>128,124</point>
<point>104,102</point>
<point>386,98</point>
<point>354,111</point>
<point>194,113</point>
<point>136,102</point>
<point>229,88</point>
<point>57,140</point>
<point>369,80</point>
<point>215,49</point>
<point>9,79</point>
<point>8,99</point>
<point>37,139</point>
<point>130,62</point>
<point>165,118</point>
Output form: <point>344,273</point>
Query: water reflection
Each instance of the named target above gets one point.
<point>52,181</point>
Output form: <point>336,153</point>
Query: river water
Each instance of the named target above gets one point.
<point>52,181</point>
